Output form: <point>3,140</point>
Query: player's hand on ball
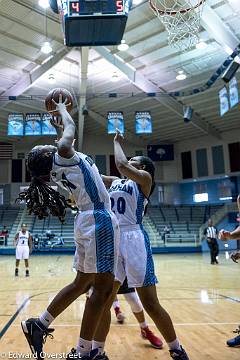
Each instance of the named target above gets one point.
<point>60,106</point>
<point>224,235</point>
<point>118,137</point>
<point>235,256</point>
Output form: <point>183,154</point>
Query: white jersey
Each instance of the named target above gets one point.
<point>23,238</point>
<point>80,177</point>
<point>128,202</point>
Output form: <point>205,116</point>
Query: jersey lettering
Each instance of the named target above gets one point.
<point>121,205</point>
<point>89,160</point>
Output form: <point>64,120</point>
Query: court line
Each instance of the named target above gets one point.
<point>151,324</point>
<point>14,316</point>
<point>229,298</point>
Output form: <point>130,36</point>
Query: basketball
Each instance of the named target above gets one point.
<point>54,95</point>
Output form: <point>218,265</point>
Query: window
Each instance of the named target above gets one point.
<point>197,198</point>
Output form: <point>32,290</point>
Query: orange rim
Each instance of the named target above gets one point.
<point>173,13</point>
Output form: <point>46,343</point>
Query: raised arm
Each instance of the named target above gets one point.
<point>228,235</point>
<point>65,143</point>
<point>108,180</point>
<point>141,177</point>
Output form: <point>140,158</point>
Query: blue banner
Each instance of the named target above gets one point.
<point>47,128</point>
<point>233,92</point>
<point>33,124</point>
<point>224,103</point>
<point>115,121</point>
<point>160,152</point>
<point>143,122</point>
<point>15,124</point>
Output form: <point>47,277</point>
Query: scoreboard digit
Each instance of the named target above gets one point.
<point>119,5</point>
<point>74,8</point>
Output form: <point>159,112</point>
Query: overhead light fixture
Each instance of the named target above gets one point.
<point>115,77</point>
<point>51,79</point>
<point>136,2</point>
<point>43,3</point>
<point>123,46</point>
<point>46,48</point>
<point>181,75</point>
<point>201,45</point>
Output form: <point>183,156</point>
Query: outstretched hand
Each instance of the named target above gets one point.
<point>60,106</point>
<point>56,122</point>
<point>224,235</point>
<point>118,137</point>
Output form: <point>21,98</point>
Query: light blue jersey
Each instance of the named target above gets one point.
<point>80,177</point>
<point>127,201</point>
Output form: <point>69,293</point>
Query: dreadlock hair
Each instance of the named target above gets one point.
<point>40,198</point>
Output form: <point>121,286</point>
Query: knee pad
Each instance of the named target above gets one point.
<point>134,302</point>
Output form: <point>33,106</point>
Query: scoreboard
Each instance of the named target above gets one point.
<point>93,22</point>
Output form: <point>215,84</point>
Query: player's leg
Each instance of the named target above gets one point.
<point>104,323</point>
<point>26,259</point>
<point>137,309</point>
<point>17,267</point>
<point>37,329</point>
<point>118,312</point>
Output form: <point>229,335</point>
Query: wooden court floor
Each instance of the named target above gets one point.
<point>203,300</point>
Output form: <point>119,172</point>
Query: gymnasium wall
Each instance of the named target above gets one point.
<point>168,173</point>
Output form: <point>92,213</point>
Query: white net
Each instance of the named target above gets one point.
<point>181,19</point>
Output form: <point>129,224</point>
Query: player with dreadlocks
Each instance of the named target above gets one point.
<point>96,232</point>
<point>129,198</point>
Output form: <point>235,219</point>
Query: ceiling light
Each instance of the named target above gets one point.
<point>201,45</point>
<point>136,2</point>
<point>51,79</point>
<point>43,3</point>
<point>123,46</point>
<point>181,75</point>
<point>46,48</point>
<point>115,77</point>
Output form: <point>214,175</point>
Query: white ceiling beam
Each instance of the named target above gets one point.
<point>147,86</point>
<point>29,79</point>
<point>218,29</point>
<point>83,77</point>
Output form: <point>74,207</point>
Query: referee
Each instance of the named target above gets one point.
<point>211,233</point>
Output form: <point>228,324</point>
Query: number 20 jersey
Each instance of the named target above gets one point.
<point>127,201</point>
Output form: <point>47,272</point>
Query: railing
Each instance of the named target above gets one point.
<point>181,241</point>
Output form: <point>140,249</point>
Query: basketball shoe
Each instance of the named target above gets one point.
<point>16,272</point>
<point>93,355</point>
<point>155,341</point>
<point>27,273</point>
<point>36,334</point>
<point>235,341</point>
<point>179,354</point>
<point>119,315</point>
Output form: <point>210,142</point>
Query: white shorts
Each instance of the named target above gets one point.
<point>22,252</point>
<point>97,241</point>
<point>135,258</point>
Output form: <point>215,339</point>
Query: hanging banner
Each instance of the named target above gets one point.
<point>143,122</point>
<point>115,121</point>
<point>33,125</point>
<point>15,124</point>
<point>47,128</point>
<point>224,103</point>
<point>233,92</point>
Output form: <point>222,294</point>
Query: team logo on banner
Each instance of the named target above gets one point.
<point>160,152</point>
<point>33,124</point>
<point>47,128</point>
<point>115,121</point>
<point>143,121</point>
<point>15,124</point>
<point>233,92</point>
<point>224,104</point>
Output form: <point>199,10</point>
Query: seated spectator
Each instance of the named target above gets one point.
<point>166,231</point>
<point>4,232</point>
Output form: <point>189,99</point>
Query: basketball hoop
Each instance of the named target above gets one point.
<point>181,19</point>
